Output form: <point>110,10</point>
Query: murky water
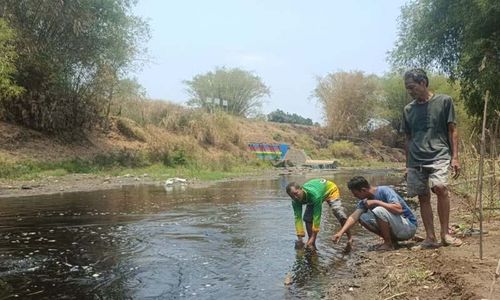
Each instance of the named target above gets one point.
<point>233,240</point>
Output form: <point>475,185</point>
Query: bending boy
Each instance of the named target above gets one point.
<point>382,211</point>
<point>312,194</point>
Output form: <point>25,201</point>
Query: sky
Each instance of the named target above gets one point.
<point>289,44</point>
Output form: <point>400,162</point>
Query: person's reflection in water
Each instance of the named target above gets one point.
<point>306,266</point>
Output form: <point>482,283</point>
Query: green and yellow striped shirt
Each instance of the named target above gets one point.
<point>316,191</point>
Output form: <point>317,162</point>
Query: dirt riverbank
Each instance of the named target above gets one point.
<point>443,273</point>
<point>91,182</point>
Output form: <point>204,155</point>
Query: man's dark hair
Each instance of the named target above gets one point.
<point>418,75</point>
<point>289,187</point>
<point>357,183</point>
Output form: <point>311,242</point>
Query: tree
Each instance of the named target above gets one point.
<point>8,55</point>
<point>395,99</point>
<point>235,90</point>
<point>71,55</point>
<point>347,99</point>
<point>130,101</point>
<point>460,38</point>
<point>280,116</point>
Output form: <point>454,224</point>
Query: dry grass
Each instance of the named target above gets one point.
<point>467,185</point>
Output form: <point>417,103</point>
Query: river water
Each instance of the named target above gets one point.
<point>232,240</point>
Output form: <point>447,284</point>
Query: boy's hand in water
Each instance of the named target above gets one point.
<point>310,247</point>
<point>336,237</point>
<point>299,244</point>
<point>311,244</point>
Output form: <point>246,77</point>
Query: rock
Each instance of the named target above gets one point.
<point>175,180</point>
<point>288,279</point>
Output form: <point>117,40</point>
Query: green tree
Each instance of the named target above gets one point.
<point>237,91</point>
<point>71,55</point>
<point>130,101</point>
<point>395,98</point>
<point>8,56</point>
<point>348,100</point>
<point>280,116</point>
<point>460,38</point>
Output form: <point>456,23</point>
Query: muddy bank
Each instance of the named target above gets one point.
<point>443,273</point>
<point>91,182</point>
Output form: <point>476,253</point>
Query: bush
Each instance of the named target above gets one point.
<point>388,136</point>
<point>175,158</point>
<point>122,158</point>
<point>130,129</point>
<point>345,149</point>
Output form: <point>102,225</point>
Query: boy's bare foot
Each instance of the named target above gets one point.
<point>382,247</point>
<point>385,247</point>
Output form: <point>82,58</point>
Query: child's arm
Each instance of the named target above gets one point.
<point>299,226</point>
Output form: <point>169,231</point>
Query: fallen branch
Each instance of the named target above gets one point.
<point>394,296</point>
<point>386,286</point>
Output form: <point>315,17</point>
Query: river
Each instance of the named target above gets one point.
<point>231,240</point>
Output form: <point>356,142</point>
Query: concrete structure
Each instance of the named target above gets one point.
<point>320,164</point>
<point>296,157</point>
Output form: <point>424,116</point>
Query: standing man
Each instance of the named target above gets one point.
<point>431,148</point>
<point>312,194</point>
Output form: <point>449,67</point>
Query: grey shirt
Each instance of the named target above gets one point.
<point>427,125</point>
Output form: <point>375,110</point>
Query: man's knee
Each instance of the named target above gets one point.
<point>381,213</point>
<point>440,189</point>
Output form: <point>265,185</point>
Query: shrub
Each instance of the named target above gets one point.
<point>122,158</point>
<point>345,149</point>
<point>130,129</point>
<point>175,158</point>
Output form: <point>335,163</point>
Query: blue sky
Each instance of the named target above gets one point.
<point>287,43</point>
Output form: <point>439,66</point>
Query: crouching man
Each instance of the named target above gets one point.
<point>382,211</point>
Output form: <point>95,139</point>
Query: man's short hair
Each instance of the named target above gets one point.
<point>357,183</point>
<point>289,187</point>
<point>418,75</point>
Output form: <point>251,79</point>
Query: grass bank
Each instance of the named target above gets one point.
<point>131,165</point>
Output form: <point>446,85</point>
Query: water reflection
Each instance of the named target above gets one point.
<point>233,240</point>
<point>306,266</point>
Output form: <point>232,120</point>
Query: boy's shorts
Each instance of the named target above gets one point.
<point>337,209</point>
<point>418,178</point>
<point>401,228</point>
